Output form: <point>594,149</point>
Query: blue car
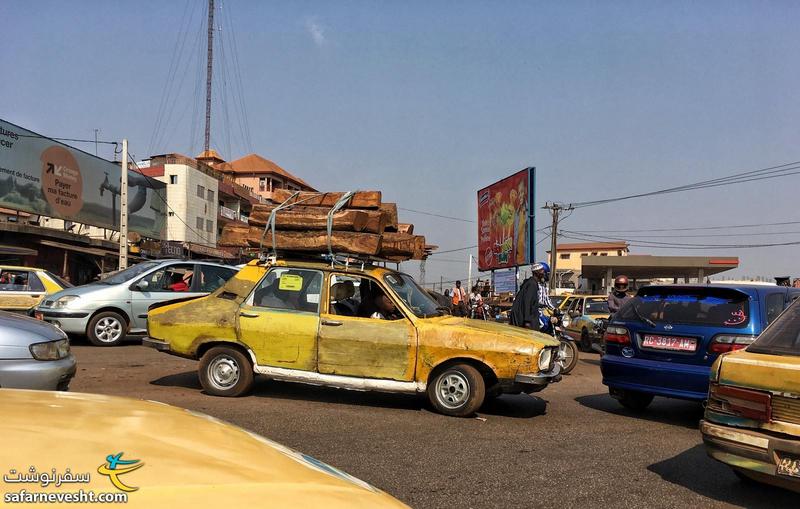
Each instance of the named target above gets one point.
<point>664,340</point>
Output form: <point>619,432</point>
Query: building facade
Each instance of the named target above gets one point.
<point>260,175</point>
<point>570,256</point>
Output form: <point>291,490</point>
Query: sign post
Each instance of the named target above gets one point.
<point>123,209</point>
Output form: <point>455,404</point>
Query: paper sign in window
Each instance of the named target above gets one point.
<point>291,283</point>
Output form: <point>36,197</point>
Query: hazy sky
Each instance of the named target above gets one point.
<point>429,101</point>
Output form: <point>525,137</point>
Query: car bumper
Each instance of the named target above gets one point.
<point>754,453</point>
<point>33,374</point>
<point>71,322</point>
<point>666,379</point>
<point>161,346</point>
<point>534,382</point>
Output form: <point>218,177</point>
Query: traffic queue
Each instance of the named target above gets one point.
<point>733,347</point>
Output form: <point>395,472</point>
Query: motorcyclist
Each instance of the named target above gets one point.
<point>619,294</point>
<point>532,295</point>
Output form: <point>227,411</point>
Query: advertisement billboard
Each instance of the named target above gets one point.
<point>41,176</point>
<point>506,222</point>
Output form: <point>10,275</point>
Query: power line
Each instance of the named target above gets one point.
<point>454,250</point>
<point>438,215</point>
<point>695,228</point>
<point>75,140</point>
<point>703,235</point>
<point>783,170</point>
<point>675,245</point>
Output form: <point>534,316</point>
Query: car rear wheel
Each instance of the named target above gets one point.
<point>458,391</point>
<point>225,371</point>
<point>107,329</point>
<point>633,400</point>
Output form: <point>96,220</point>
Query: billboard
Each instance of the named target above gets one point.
<point>41,176</point>
<point>506,222</point>
<point>505,281</point>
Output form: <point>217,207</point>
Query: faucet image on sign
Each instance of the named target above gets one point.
<point>135,203</point>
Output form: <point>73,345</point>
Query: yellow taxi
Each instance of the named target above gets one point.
<point>582,313</point>
<point>752,418</point>
<point>82,449</point>
<point>23,288</point>
<point>351,326</point>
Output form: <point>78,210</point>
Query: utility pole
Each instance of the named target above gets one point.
<point>422,272</point>
<point>555,209</point>
<point>123,209</point>
<point>469,273</point>
<point>95,140</point>
<point>209,73</point>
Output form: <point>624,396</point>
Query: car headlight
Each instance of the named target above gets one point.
<point>64,301</point>
<point>545,357</point>
<point>50,350</point>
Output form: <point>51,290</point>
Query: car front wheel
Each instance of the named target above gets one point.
<point>107,329</point>
<point>458,391</point>
<point>225,371</point>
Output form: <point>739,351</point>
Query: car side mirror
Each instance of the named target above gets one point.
<point>142,285</point>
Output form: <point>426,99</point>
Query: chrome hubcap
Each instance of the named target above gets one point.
<point>223,372</point>
<point>566,355</point>
<point>452,389</point>
<point>108,329</point>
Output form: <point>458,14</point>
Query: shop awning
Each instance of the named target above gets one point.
<point>17,251</point>
<point>96,251</point>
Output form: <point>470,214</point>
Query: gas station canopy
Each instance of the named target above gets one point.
<point>652,267</point>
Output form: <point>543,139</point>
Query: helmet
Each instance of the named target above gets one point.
<point>543,267</point>
<point>621,283</point>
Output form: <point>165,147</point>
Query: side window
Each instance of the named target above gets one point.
<point>34,283</point>
<point>362,297</point>
<point>345,295</point>
<point>774,303</point>
<point>212,277</point>
<point>290,289</point>
<point>174,278</point>
<point>14,281</point>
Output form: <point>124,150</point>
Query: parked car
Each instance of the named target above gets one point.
<point>33,354</point>
<point>664,340</point>
<point>367,328</point>
<point>109,309</point>
<point>23,288</point>
<point>580,322</point>
<point>154,455</point>
<point>752,419</point>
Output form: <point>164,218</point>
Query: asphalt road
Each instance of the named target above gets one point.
<point>571,447</point>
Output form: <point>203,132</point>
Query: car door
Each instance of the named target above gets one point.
<point>20,290</point>
<point>279,320</point>
<point>361,346</point>
<point>574,313</point>
<point>173,281</point>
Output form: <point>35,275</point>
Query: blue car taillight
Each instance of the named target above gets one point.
<point>617,335</point>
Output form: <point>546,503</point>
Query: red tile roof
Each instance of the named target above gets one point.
<point>254,163</point>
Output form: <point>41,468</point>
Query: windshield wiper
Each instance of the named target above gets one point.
<point>643,319</point>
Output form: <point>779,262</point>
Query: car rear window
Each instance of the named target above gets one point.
<point>714,307</point>
<point>782,337</point>
<point>596,307</point>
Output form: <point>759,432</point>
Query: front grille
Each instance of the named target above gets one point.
<point>786,409</point>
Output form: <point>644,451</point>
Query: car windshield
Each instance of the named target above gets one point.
<point>129,273</point>
<point>782,337</point>
<point>597,307</point>
<point>713,307</point>
<point>417,299</point>
<point>61,282</point>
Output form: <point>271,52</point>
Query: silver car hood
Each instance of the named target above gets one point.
<point>85,290</point>
<point>20,330</point>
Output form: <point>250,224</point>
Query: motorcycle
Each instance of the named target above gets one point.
<point>601,324</point>
<point>568,350</point>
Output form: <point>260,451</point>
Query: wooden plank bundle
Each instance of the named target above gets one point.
<point>363,226</point>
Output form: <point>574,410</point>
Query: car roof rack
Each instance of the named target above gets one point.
<point>337,259</point>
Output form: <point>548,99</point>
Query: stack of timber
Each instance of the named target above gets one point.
<point>364,226</point>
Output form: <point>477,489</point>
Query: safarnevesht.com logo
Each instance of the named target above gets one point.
<point>45,482</point>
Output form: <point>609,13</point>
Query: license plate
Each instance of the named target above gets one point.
<point>669,343</point>
<point>38,315</point>
<point>789,465</point>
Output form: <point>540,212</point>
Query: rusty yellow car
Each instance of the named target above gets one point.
<point>87,449</point>
<point>752,418</point>
<point>23,288</point>
<point>350,326</point>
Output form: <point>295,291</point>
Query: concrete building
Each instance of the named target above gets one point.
<point>570,257</point>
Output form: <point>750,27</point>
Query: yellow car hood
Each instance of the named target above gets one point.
<point>188,458</point>
<point>495,328</point>
<point>779,373</point>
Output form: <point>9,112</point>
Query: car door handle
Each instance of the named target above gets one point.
<point>331,323</point>
<point>248,314</point>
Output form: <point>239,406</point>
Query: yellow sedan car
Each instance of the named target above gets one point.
<point>580,324</point>
<point>752,419</point>
<point>352,326</point>
<point>23,288</point>
<point>86,448</point>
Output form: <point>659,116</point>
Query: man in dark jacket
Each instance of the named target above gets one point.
<point>525,308</point>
